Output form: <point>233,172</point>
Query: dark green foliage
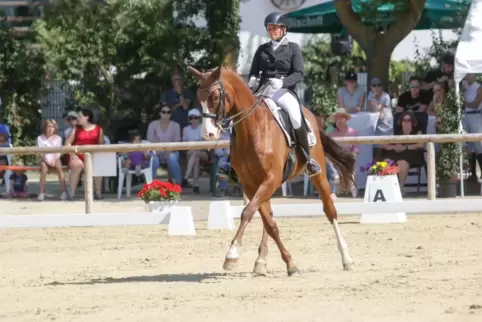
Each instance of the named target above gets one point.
<point>21,83</point>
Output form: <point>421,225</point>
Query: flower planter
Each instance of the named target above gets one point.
<point>447,188</point>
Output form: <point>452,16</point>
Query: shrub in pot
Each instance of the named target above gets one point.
<point>448,122</point>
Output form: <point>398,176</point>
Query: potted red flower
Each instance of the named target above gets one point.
<point>160,195</point>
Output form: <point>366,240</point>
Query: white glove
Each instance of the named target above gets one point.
<point>253,82</point>
<point>276,83</point>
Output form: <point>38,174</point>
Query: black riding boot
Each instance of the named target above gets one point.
<point>312,167</point>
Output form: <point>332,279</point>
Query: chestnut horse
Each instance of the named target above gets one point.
<point>258,155</point>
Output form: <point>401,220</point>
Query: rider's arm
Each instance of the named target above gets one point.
<point>255,69</point>
<point>297,71</point>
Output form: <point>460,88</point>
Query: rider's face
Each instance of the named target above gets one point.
<point>275,31</point>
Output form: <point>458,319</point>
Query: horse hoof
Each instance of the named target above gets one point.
<point>260,268</point>
<point>348,267</point>
<point>230,264</point>
<point>294,271</point>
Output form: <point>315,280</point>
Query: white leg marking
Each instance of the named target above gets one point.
<point>342,246</point>
<point>233,252</point>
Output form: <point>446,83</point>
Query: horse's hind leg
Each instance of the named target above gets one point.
<point>260,267</point>
<point>323,188</point>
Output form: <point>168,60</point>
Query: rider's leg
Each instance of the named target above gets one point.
<point>291,105</point>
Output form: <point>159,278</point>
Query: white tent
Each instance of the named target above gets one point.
<point>468,57</point>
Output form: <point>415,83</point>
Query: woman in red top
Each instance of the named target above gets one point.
<point>85,133</point>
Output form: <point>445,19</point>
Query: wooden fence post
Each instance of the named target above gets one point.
<point>89,182</point>
<point>431,177</point>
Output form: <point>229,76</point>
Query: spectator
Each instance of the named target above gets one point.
<point>473,120</point>
<point>3,158</point>
<point>440,90</point>
<point>18,182</point>
<point>136,160</point>
<point>85,133</point>
<point>223,155</point>
<point>49,161</point>
<point>179,100</point>
<point>351,97</point>
<point>71,120</point>
<point>443,74</point>
<point>164,130</point>
<point>192,133</point>
<point>341,118</point>
<point>405,155</point>
<point>379,101</point>
<point>413,100</point>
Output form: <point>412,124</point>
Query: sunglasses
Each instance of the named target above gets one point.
<point>376,85</point>
<point>165,112</point>
<point>72,119</point>
<point>193,118</point>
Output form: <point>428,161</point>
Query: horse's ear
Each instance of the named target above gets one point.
<point>195,72</point>
<point>216,74</point>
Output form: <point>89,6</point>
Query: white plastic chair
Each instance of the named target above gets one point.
<point>147,172</point>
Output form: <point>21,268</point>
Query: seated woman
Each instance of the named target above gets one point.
<point>341,118</point>
<point>50,161</point>
<point>85,133</point>
<point>405,155</point>
<point>165,130</point>
<point>192,133</point>
<point>440,90</point>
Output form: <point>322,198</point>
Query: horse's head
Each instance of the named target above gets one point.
<point>216,99</point>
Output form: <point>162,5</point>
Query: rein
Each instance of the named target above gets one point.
<point>221,109</point>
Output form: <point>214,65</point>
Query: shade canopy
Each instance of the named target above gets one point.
<point>322,18</point>
<point>468,57</point>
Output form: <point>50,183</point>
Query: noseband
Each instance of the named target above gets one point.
<point>220,116</point>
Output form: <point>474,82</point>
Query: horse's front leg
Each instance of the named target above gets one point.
<point>257,197</point>
<point>260,266</point>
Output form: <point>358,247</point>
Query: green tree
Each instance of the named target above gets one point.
<point>78,39</point>
<point>379,43</point>
<point>21,82</point>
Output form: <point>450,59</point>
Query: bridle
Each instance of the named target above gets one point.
<point>220,116</point>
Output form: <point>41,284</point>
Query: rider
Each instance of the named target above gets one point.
<point>280,63</point>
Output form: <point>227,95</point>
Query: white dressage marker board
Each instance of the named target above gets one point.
<point>220,215</point>
<point>383,189</point>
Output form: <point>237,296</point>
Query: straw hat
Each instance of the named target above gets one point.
<point>340,112</point>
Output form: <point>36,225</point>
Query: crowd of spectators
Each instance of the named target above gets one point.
<point>406,113</point>
<point>179,119</point>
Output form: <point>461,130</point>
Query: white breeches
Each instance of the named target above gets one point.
<point>290,104</point>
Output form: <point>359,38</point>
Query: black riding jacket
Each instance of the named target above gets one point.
<point>287,61</point>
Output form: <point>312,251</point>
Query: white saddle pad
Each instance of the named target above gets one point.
<point>289,140</point>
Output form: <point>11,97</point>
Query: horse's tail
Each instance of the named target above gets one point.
<point>343,161</point>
